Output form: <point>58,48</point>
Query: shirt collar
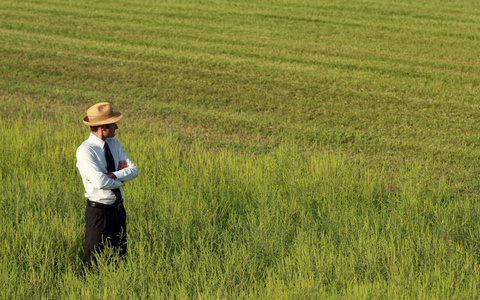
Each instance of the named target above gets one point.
<point>96,140</point>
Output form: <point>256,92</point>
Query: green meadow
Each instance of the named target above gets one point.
<point>287,149</point>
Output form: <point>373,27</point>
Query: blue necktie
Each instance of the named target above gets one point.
<point>111,168</point>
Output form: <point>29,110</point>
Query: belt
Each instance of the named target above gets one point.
<point>104,206</point>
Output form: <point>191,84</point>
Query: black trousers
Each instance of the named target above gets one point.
<point>103,228</point>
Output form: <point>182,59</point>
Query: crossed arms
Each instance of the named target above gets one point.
<point>93,174</point>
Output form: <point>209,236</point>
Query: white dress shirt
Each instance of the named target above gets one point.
<point>92,165</point>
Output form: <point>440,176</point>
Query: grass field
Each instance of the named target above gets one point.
<point>288,149</point>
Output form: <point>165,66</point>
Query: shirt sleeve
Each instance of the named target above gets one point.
<point>128,173</point>
<point>89,166</point>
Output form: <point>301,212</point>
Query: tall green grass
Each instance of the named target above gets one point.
<point>228,223</point>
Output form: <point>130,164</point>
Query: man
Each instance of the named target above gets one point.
<point>104,166</point>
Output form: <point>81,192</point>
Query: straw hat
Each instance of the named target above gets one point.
<point>101,114</point>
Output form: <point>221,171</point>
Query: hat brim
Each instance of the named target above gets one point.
<point>116,117</point>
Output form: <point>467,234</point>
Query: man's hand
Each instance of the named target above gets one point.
<point>122,165</point>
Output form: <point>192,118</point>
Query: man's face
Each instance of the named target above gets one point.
<point>109,130</point>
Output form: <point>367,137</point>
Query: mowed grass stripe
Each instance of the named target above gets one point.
<point>149,16</point>
<point>204,57</point>
<point>332,57</point>
<point>136,32</point>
